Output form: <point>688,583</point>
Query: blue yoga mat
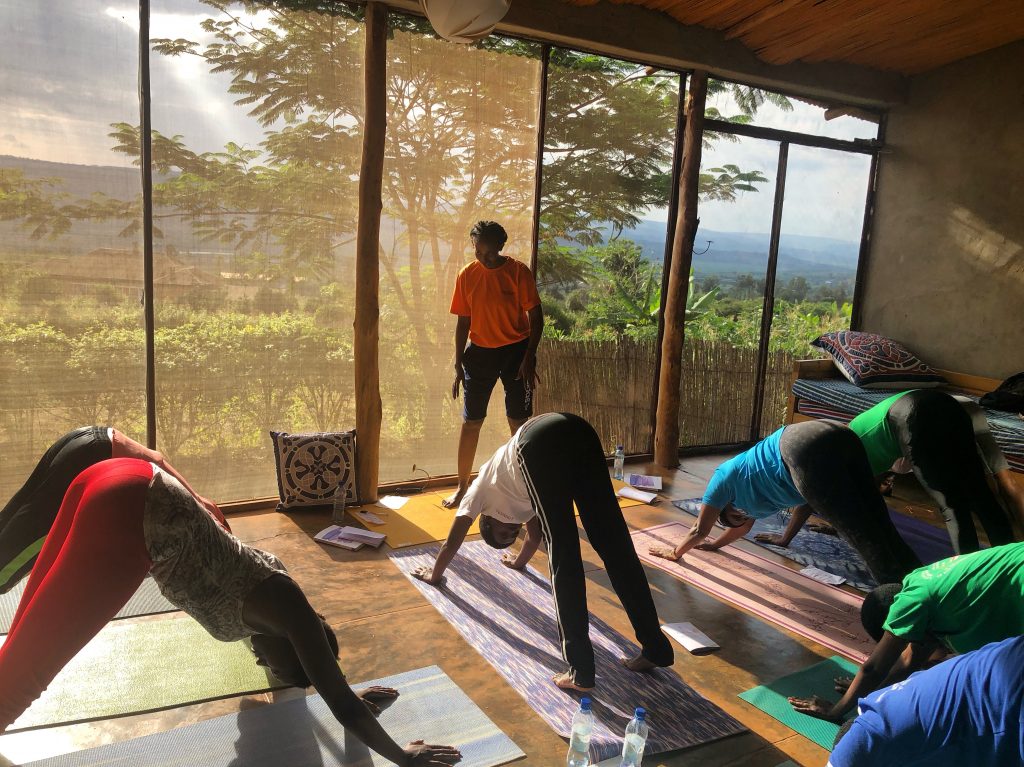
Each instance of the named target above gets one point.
<point>834,555</point>
<point>304,733</point>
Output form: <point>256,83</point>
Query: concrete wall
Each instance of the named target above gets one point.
<point>946,274</point>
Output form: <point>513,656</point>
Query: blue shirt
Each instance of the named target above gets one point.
<point>964,712</point>
<point>755,481</point>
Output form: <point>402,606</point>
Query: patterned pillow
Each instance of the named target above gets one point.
<point>872,361</point>
<point>311,468</point>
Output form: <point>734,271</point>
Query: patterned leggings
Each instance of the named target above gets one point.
<point>94,559</point>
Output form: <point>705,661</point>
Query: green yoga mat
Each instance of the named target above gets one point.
<point>146,601</point>
<point>130,668</point>
<point>816,680</point>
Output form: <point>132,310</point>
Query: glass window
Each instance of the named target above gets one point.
<point>257,115</point>
<point>819,247</point>
<point>730,261</point>
<point>462,142</point>
<point>767,109</point>
<point>608,144</point>
<point>72,341</point>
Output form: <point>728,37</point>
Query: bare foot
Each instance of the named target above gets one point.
<point>454,499</point>
<point>564,681</point>
<point>639,663</point>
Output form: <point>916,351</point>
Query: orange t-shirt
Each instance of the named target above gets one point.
<point>496,302</point>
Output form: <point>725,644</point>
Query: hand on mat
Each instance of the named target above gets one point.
<point>842,684</point>
<point>664,552</point>
<point>426,574</point>
<point>510,561</point>
<point>421,753</point>
<point>772,538</point>
<point>814,706</point>
<point>371,695</point>
<point>707,546</point>
<point>823,529</point>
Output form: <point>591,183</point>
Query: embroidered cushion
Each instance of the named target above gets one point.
<point>876,362</point>
<point>315,469</point>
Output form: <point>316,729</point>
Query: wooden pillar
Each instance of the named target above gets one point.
<point>666,434</point>
<point>367,321</point>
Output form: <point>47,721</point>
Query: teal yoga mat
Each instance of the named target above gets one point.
<point>129,668</point>
<point>303,733</point>
<point>816,680</point>
<point>146,601</point>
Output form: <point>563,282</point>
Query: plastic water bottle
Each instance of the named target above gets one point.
<point>636,739</point>
<point>579,741</point>
<point>620,462</point>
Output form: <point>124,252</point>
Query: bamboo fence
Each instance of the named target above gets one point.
<point>611,384</point>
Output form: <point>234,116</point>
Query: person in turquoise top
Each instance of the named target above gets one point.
<point>815,464</point>
<point>957,605</point>
<point>933,433</point>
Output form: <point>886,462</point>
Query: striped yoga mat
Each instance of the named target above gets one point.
<point>509,618</point>
<point>826,614</point>
<point>146,601</point>
<point>304,733</point>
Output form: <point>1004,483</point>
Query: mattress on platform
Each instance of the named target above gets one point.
<point>840,400</point>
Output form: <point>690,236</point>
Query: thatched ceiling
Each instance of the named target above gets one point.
<point>906,36</point>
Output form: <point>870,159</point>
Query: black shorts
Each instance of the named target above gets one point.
<point>482,367</point>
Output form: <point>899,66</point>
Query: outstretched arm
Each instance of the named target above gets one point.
<point>700,530</point>
<point>873,674</point>
<point>534,536</point>
<point>797,520</point>
<point>278,607</point>
<point>456,535</point>
<point>731,534</point>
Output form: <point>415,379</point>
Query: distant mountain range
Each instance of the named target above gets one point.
<point>818,259</point>
<point>731,253</point>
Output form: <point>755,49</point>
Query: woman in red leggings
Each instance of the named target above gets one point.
<point>125,518</point>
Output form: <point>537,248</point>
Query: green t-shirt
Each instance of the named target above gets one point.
<point>966,601</point>
<point>872,426</point>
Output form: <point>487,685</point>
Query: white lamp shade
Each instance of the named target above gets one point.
<point>464,21</point>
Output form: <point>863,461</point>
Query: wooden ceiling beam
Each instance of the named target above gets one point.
<point>909,36</point>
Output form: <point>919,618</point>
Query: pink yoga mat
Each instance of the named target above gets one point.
<point>826,614</point>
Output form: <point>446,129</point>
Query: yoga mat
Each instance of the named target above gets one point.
<point>146,601</point>
<point>816,680</point>
<point>424,520</point>
<point>304,733</point>
<point>129,668</point>
<point>421,520</point>
<point>508,617</point>
<point>930,543</point>
<point>826,614</point>
<point>832,554</point>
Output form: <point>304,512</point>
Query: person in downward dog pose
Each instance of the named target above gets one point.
<point>817,465</point>
<point>554,460</point>
<point>27,518</point>
<point>124,518</point>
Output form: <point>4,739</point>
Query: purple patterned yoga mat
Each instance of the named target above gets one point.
<point>509,618</point>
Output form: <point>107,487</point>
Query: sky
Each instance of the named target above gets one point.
<point>64,82</point>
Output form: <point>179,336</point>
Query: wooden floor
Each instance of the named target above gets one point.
<point>376,611</point>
